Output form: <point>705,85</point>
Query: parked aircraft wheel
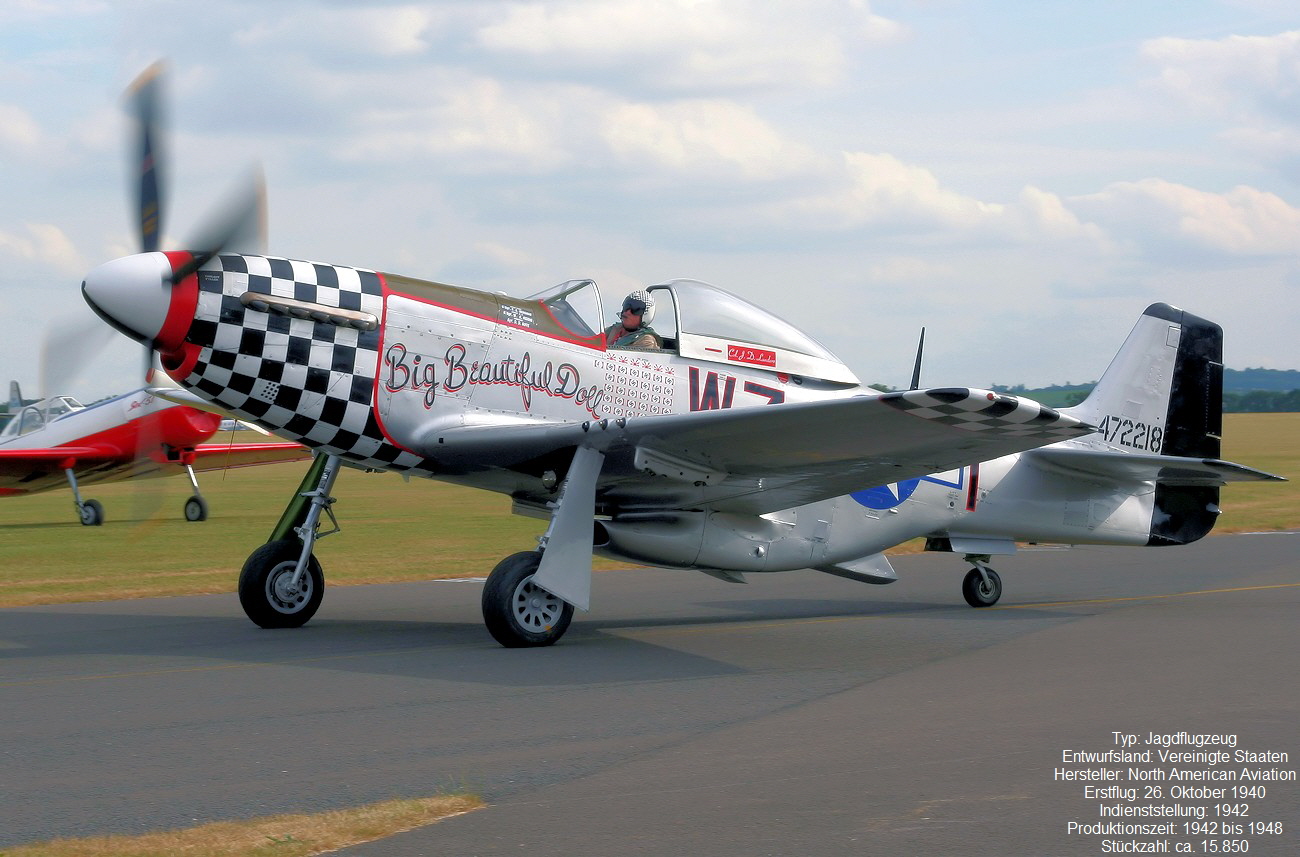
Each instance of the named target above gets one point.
<point>518,613</point>
<point>92,513</point>
<point>196,509</point>
<point>977,592</point>
<point>265,586</point>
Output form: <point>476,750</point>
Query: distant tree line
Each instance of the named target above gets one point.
<point>1261,402</point>
<point>1245,391</point>
<point>1249,402</point>
<point>1273,380</point>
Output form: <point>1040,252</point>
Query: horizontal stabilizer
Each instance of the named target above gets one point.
<point>1139,467</point>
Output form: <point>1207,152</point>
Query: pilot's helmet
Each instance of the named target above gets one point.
<point>641,301</point>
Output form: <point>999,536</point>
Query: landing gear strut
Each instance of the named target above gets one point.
<point>529,597</point>
<point>91,512</point>
<point>281,584</point>
<point>196,508</point>
<point>982,586</point>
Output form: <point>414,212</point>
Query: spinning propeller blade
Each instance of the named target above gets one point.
<point>238,222</point>
<point>69,348</point>
<point>144,101</point>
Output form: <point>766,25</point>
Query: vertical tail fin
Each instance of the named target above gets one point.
<point>1163,393</point>
<point>15,398</point>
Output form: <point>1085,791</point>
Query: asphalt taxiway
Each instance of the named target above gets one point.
<point>801,714</point>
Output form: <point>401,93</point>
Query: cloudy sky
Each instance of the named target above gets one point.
<point>1021,178</point>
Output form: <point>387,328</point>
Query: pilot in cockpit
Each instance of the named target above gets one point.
<point>633,330</point>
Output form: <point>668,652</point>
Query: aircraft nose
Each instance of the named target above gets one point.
<point>135,295</point>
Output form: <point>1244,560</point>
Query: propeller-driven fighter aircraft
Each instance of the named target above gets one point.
<point>59,441</point>
<point>740,445</point>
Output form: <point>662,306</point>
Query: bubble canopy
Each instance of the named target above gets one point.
<point>713,324</point>
<point>703,322</point>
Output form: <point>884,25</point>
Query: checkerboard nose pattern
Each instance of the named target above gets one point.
<point>303,378</point>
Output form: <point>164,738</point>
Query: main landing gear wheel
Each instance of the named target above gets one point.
<point>977,592</point>
<point>266,589</point>
<point>517,613</point>
<point>92,513</point>
<point>196,509</point>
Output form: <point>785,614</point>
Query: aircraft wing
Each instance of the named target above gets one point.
<point>220,456</point>
<point>763,459</point>
<point>19,465</point>
<point>24,471</point>
<point>1140,467</point>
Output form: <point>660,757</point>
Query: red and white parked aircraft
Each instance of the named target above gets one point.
<point>58,441</point>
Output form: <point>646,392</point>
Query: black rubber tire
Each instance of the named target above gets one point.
<point>196,509</point>
<point>517,613</point>
<point>92,513</point>
<point>976,593</point>
<point>270,606</point>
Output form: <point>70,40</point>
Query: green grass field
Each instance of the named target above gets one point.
<point>392,530</point>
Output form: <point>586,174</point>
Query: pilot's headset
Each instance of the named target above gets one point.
<point>642,300</point>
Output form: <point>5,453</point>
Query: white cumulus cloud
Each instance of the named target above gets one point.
<point>701,137</point>
<point>1244,221</point>
<point>375,30</point>
<point>18,130</point>
<point>1219,73</point>
<point>480,119</point>
<point>44,244</point>
<point>692,45</point>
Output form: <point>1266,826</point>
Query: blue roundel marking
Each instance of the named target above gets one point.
<point>886,496</point>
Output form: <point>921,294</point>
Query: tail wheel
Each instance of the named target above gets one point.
<point>267,591</point>
<point>977,592</point>
<point>517,612</point>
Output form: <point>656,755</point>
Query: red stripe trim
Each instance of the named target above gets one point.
<point>181,310</point>
<point>379,366</point>
<point>972,490</point>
